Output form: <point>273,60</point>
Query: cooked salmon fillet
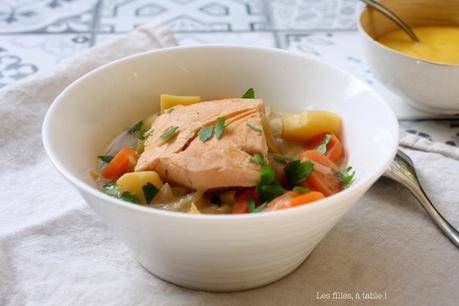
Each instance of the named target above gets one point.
<point>216,163</point>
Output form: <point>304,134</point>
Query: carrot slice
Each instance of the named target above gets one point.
<point>327,184</point>
<point>281,200</point>
<point>292,199</point>
<point>124,161</point>
<point>240,206</point>
<point>317,157</point>
<point>306,198</point>
<point>335,149</point>
<point>315,141</point>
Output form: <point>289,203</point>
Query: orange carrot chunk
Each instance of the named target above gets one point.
<point>292,199</point>
<point>335,150</point>
<point>241,207</point>
<point>281,200</point>
<point>306,198</point>
<point>316,156</point>
<point>124,161</point>
<point>327,184</point>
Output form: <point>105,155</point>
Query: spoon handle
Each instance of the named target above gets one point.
<point>406,176</point>
<point>391,15</point>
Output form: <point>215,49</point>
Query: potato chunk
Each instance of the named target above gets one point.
<point>168,101</point>
<point>133,182</point>
<point>303,126</point>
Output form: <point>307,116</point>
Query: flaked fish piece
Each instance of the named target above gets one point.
<point>215,163</point>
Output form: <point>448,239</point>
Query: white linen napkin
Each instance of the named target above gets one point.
<point>55,251</point>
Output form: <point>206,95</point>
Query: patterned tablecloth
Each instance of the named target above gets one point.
<point>35,35</point>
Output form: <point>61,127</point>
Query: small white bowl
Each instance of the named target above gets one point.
<point>428,86</point>
<point>210,252</point>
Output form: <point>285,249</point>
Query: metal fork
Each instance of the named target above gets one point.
<point>402,170</point>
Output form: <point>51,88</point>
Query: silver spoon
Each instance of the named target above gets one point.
<point>391,15</point>
<point>402,170</point>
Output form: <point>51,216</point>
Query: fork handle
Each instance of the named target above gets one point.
<point>413,185</point>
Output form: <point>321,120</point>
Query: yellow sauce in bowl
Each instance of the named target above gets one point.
<point>438,43</point>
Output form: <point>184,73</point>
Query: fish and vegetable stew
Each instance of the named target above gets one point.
<point>225,156</point>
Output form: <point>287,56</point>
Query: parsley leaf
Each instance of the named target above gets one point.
<point>169,110</point>
<point>249,94</point>
<point>253,127</point>
<point>252,208</point>
<point>297,171</point>
<point>257,159</point>
<point>268,187</point>
<point>205,133</point>
<point>129,197</point>
<point>300,189</point>
<point>322,148</point>
<point>251,205</point>
<point>149,191</point>
<point>346,176</point>
<point>105,158</point>
<point>261,207</point>
<point>219,127</point>
<point>267,174</point>
<point>110,188</point>
<point>136,127</point>
<point>168,134</point>
<point>145,135</point>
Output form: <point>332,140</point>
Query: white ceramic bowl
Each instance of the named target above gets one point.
<point>225,252</point>
<point>428,86</point>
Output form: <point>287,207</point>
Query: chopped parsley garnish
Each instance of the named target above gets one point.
<point>129,197</point>
<point>346,176</point>
<point>268,187</point>
<point>252,208</point>
<point>300,189</point>
<point>322,148</point>
<point>169,110</point>
<point>168,134</point>
<point>219,126</point>
<point>149,191</point>
<point>249,94</point>
<point>297,171</point>
<point>105,158</point>
<point>261,207</point>
<point>110,188</point>
<point>257,159</point>
<point>253,127</point>
<point>136,127</point>
<point>145,135</point>
<point>251,204</point>
<point>205,133</point>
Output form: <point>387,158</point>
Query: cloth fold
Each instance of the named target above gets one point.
<point>55,251</point>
